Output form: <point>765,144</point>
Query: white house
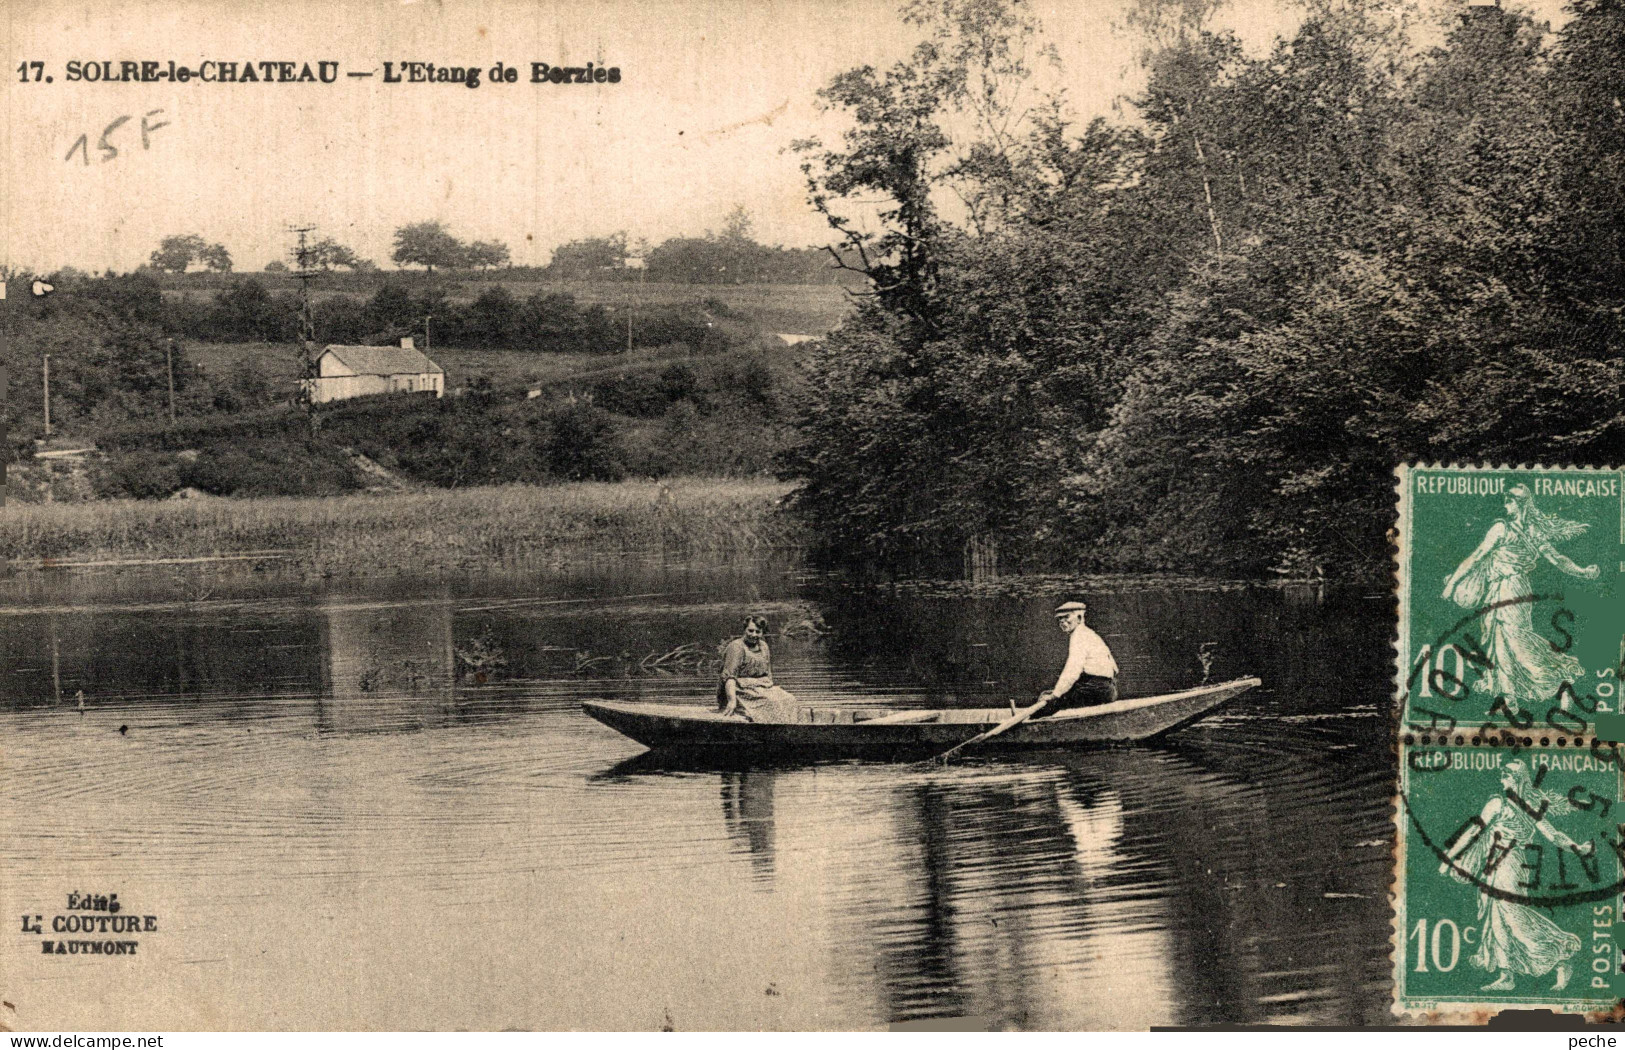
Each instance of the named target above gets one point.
<point>356,371</point>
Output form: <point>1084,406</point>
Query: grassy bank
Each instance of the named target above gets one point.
<point>427,531</point>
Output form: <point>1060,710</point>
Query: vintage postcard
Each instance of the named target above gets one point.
<point>807,515</point>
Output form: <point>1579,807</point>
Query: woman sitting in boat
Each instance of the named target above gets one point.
<point>747,688</point>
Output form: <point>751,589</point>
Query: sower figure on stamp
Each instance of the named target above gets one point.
<point>1514,938</point>
<point>1524,667</point>
<point>1090,674</point>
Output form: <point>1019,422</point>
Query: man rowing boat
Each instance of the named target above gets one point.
<point>1090,674</point>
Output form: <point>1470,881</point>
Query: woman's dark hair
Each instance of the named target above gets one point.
<point>759,621</point>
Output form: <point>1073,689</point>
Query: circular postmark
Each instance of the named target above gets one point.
<point>1516,656</point>
<point>1536,827</point>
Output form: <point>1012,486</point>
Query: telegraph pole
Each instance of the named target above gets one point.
<point>39,288</point>
<point>169,369</point>
<point>5,401</point>
<point>642,268</point>
<point>307,327</point>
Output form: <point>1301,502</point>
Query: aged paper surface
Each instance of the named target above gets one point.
<point>340,723</point>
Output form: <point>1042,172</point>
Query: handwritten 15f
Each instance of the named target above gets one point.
<point>81,145</point>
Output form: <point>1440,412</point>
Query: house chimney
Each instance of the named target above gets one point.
<point>406,343</point>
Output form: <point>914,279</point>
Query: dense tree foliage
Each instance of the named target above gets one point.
<point>1203,340</point>
<point>426,244</point>
<point>109,356</point>
<point>496,319</point>
<point>732,257</point>
<point>325,253</point>
<point>589,258</point>
<point>481,255</point>
<point>176,254</point>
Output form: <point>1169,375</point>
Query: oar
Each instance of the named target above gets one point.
<point>1009,723</point>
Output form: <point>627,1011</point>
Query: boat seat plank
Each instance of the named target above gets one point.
<point>901,717</point>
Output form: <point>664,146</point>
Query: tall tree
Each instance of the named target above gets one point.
<point>738,226</point>
<point>485,254</point>
<point>215,258</point>
<point>588,258</point>
<point>178,252</point>
<point>942,403</point>
<point>426,244</point>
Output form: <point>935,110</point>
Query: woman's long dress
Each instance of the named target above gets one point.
<point>1513,937</point>
<point>752,670</point>
<point>1524,667</point>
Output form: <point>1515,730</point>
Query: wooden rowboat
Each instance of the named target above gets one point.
<point>819,732</point>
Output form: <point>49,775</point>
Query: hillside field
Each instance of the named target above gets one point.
<point>504,369</point>
<point>793,309</point>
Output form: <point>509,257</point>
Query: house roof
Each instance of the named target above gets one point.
<point>383,360</point>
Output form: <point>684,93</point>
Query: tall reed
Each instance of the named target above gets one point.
<point>423,530</point>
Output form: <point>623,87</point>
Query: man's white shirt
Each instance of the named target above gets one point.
<point>1086,653</point>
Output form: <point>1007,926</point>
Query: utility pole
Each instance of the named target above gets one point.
<point>5,396</point>
<point>642,268</point>
<point>169,368</point>
<point>307,328</point>
<point>39,288</point>
<point>428,333</point>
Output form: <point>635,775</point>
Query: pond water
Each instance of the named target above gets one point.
<point>380,806</point>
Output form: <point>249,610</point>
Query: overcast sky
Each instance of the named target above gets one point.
<point>711,94</point>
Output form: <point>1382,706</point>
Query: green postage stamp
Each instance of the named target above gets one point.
<point>1508,872</point>
<point>1510,852</point>
<point>1510,610</point>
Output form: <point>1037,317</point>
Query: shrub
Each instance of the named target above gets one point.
<point>136,475</point>
<point>639,392</point>
<point>581,445</point>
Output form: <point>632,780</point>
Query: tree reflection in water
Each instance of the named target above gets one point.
<point>1116,889</point>
<point>747,810</point>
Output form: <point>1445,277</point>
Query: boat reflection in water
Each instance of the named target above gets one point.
<point>1069,891</point>
<point>1005,908</point>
